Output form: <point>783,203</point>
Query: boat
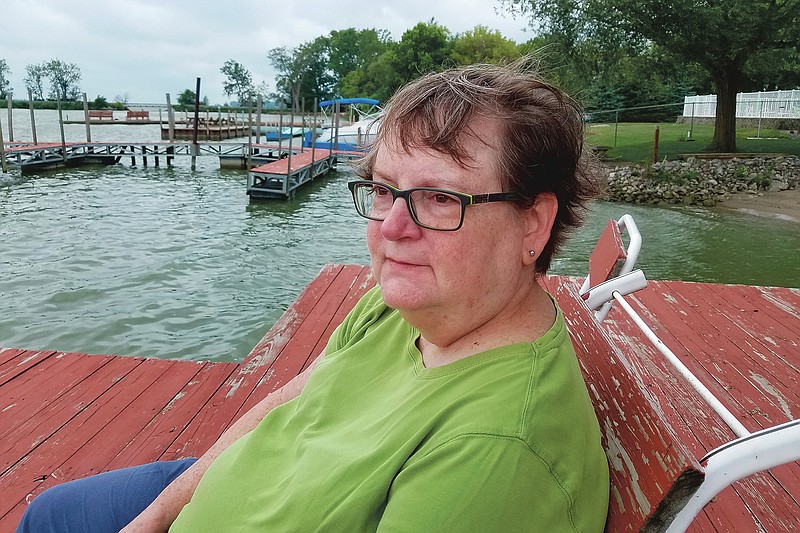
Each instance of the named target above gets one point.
<point>355,136</point>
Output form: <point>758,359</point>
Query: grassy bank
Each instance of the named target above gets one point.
<point>634,141</point>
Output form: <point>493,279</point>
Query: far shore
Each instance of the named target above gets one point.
<point>782,205</point>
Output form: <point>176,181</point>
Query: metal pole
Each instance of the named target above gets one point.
<point>10,100</point>
<point>655,147</point>
<point>86,118</point>
<point>258,119</point>
<point>33,122</point>
<point>291,141</point>
<point>280,128</point>
<point>314,131</point>
<point>691,124</point>
<point>760,114</point>
<point>196,123</point>
<point>61,127</point>
<point>3,163</point>
<point>616,127</point>
<point>303,126</point>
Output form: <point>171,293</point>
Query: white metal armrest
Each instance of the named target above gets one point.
<point>738,459</point>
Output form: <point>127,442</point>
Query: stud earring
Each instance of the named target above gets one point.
<point>533,253</point>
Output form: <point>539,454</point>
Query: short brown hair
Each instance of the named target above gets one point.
<point>542,133</point>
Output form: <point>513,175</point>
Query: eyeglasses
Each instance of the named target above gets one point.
<point>436,209</point>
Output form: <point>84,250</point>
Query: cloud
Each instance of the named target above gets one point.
<point>147,48</point>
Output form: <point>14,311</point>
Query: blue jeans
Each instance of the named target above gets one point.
<point>102,503</point>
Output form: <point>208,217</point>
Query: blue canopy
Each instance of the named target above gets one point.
<point>349,101</point>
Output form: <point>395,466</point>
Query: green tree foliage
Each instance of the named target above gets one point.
<point>721,36</point>
<point>424,48</point>
<point>376,80</point>
<point>482,45</point>
<point>238,82</point>
<point>99,103</point>
<point>353,50</point>
<point>5,85</point>
<point>64,79</point>
<point>35,75</point>
<point>187,98</point>
<point>303,72</point>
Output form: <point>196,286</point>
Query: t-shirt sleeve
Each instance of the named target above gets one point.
<point>478,483</point>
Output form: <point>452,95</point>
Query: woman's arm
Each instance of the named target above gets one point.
<point>163,511</point>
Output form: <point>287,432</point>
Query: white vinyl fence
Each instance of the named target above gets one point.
<point>760,105</point>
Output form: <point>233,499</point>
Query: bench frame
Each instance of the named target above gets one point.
<point>746,455</point>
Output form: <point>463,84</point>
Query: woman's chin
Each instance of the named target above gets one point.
<point>403,295</point>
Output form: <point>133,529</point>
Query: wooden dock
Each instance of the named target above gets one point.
<point>281,178</point>
<point>31,158</point>
<point>64,416</point>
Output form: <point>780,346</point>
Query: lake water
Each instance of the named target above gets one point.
<point>175,263</point>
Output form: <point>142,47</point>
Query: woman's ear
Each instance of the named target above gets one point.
<point>539,219</point>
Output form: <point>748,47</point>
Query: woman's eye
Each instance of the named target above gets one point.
<point>443,198</point>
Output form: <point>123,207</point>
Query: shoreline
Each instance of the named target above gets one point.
<point>776,205</point>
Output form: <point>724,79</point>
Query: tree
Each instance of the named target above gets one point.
<point>722,36</point>
<point>303,72</point>
<point>5,71</point>
<point>350,50</point>
<point>34,80</point>
<point>239,82</point>
<point>99,103</point>
<point>187,97</point>
<point>64,79</point>
<point>424,48</point>
<point>483,46</point>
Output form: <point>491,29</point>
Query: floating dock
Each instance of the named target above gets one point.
<point>282,178</point>
<point>68,415</point>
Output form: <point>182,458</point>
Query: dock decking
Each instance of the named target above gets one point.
<point>64,416</point>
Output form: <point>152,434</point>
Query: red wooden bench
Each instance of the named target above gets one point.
<point>101,114</point>
<point>138,115</point>
<point>657,482</point>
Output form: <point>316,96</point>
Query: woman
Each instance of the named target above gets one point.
<point>450,398</point>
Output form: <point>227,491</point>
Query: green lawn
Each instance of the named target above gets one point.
<point>634,141</point>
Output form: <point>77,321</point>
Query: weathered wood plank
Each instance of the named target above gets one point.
<point>19,361</point>
<point>67,415</point>
<point>646,457</point>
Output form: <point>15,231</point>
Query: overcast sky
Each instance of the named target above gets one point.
<point>144,49</point>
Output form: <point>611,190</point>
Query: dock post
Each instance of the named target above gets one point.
<point>86,119</point>
<point>291,142</point>
<point>196,124</point>
<point>280,129</point>
<point>259,103</point>
<point>303,128</point>
<point>313,133</point>
<point>10,100</point>
<point>3,163</point>
<point>61,127</point>
<point>171,119</point>
<point>248,157</point>
<point>33,121</point>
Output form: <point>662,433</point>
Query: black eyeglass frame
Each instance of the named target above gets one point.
<point>464,198</point>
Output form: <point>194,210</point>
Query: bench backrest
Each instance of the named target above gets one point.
<point>101,114</point>
<point>653,474</point>
<point>138,114</point>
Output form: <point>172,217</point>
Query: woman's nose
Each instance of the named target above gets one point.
<point>398,222</point>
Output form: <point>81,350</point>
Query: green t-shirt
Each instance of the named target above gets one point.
<point>505,440</point>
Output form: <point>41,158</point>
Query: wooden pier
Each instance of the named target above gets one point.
<point>281,178</point>
<point>276,170</point>
<point>66,415</point>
